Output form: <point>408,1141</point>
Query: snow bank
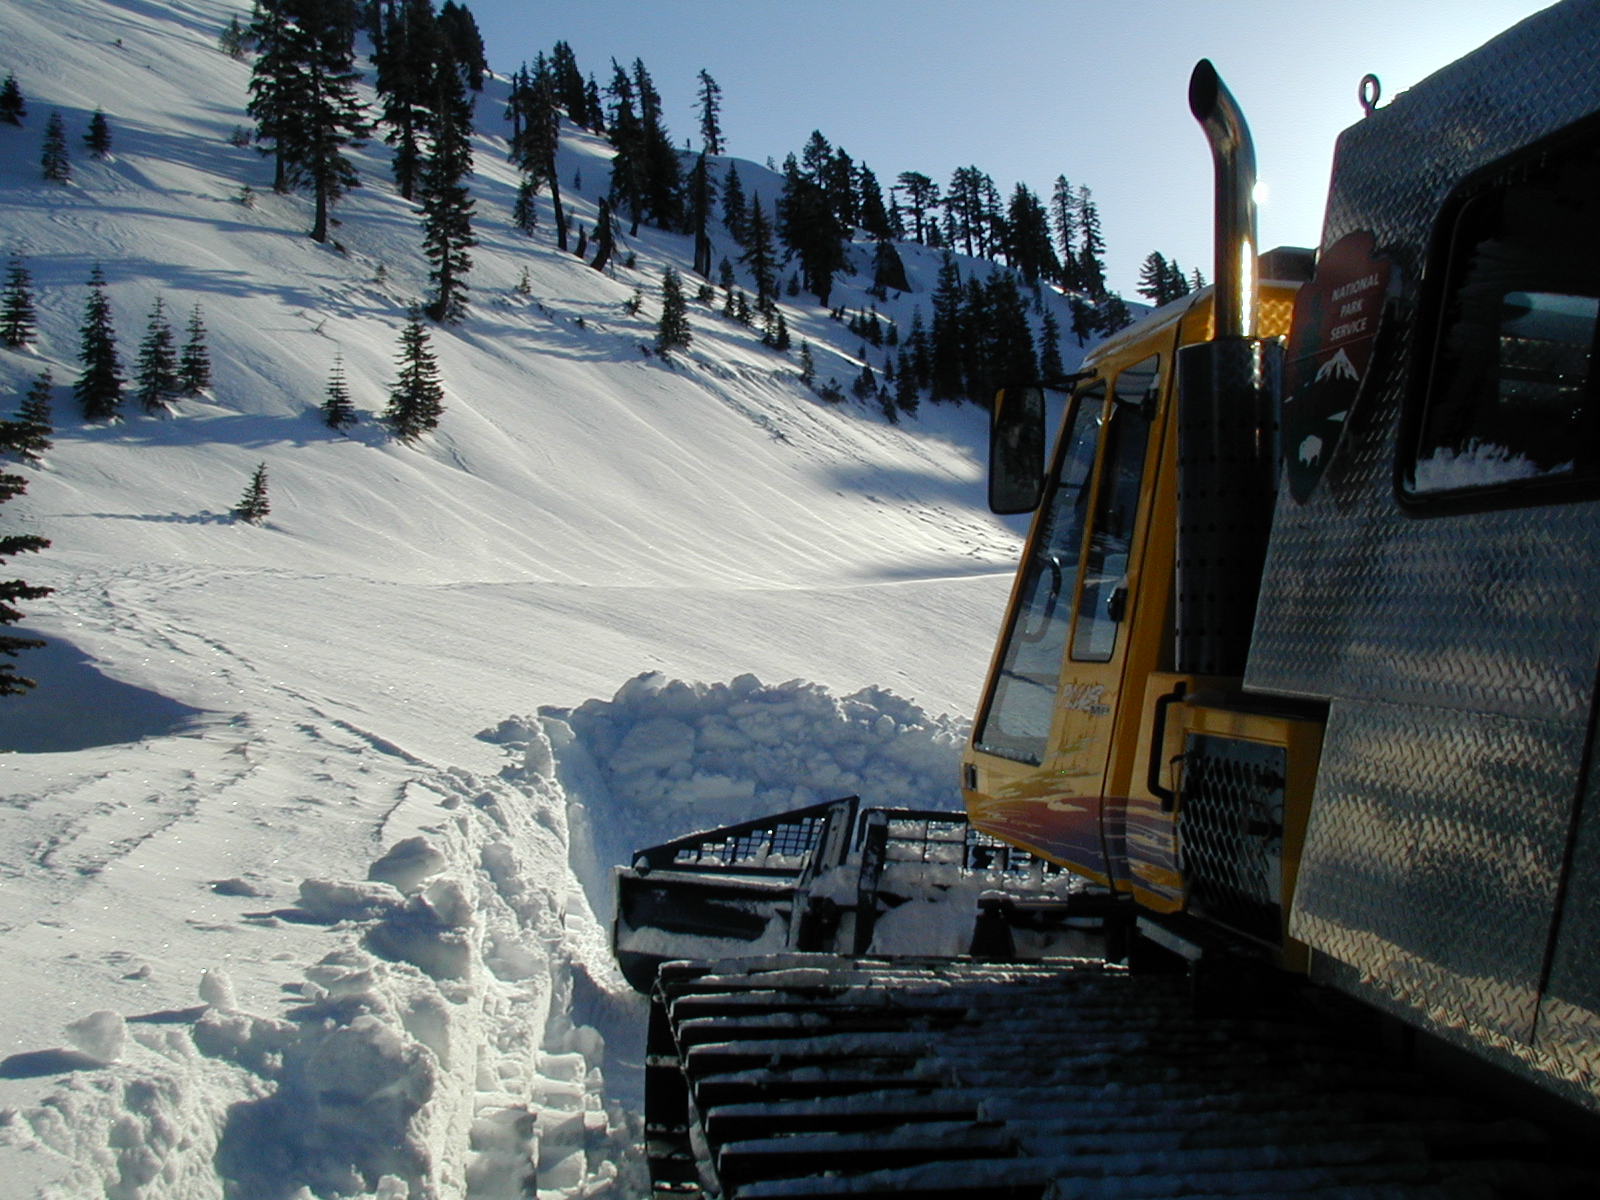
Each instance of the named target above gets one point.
<point>668,757</point>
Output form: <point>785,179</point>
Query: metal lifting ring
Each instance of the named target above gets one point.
<point>1371,91</point>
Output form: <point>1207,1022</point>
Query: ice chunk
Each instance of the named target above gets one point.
<point>407,864</point>
<point>216,989</point>
<point>101,1035</point>
<point>330,900</point>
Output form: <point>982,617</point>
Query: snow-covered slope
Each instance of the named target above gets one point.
<point>236,725</point>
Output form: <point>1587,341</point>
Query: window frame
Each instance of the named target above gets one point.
<point>1429,333</point>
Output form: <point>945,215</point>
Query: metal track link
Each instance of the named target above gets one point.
<point>812,1076</point>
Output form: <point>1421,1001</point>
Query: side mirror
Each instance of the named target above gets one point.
<point>1016,450</point>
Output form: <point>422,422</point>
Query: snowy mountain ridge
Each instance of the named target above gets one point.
<point>253,767</point>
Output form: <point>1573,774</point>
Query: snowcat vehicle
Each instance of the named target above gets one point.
<point>1297,679</point>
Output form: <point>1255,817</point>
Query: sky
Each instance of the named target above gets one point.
<point>1028,89</point>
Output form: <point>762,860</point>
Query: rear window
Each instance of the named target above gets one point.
<point>1507,409</point>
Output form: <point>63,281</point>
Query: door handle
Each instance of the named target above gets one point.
<point>1158,743</point>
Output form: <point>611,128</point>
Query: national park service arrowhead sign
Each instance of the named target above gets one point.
<point>1336,319</point>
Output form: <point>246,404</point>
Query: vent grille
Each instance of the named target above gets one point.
<point>1231,832</point>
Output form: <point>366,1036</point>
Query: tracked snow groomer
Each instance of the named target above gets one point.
<point>1298,677</point>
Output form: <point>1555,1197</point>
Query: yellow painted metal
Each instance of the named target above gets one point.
<point>1098,747</point>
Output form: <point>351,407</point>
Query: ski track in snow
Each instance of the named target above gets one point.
<point>343,943</point>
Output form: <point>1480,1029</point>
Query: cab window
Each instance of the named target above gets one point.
<point>1016,719</point>
<point>1508,408</point>
<point>1104,598</point>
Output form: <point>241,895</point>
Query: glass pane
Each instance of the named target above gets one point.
<point>1512,397</point>
<point>1105,575</point>
<point>1017,723</point>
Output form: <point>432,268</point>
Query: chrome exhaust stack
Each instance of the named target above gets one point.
<point>1228,394</point>
<point>1233,156</point>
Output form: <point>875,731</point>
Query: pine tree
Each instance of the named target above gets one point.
<point>1091,261</point>
<point>780,335</point>
<point>672,332</point>
<point>233,40</point>
<point>905,384</point>
<point>1197,279</point>
<point>922,196</point>
<point>194,365</point>
<point>627,138</point>
<point>12,108</point>
<point>1064,217</point>
<point>253,506</point>
<point>1011,353</point>
<point>808,365</point>
<point>99,388</point>
<point>337,410</point>
<point>760,257</point>
<point>333,118</point>
<point>946,352</point>
<point>1114,314</point>
<point>700,215</point>
<point>446,205</point>
<point>605,235</point>
<point>570,93</point>
<point>1083,320</point>
<point>98,139</point>
<point>1153,277</point>
<point>808,226</point>
<point>463,43</point>
<point>865,386</point>
<point>734,216</point>
<point>1050,366</point>
<point>417,399</point>
<point>525,213</point>
<point>662,181</point>
<point>13,436</point>
<point>888,270</point>
<point>921,352</point>
<point>53,161</point>
<point>1028,246</point>
<point>17,317</point>
<point>534,146</point>
<point>278,85</point>
<point>35,419</point>
<point>406,62</point>
<point>156,375</point>
<point>710,113</point>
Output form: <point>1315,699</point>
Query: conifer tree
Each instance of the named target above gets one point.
<point>194,364</point>
<point>662,180</point>
<point>760,257</point>
<point>12,107</point>
<point>233,40</point>
<point>570,93</point>
<point>1091,261</point>
<point>99,388</point>
<point>253,506</point>
<point>446,204</point>
<point>463,43</point>
<point>53,161</point>
<point>871,214</point>
<point>98,139</point>
<point>535,145</point>
<point>13,435</point>
<point>807,224</point>
<point>1197,279</point>
<point>922,197</point>
<point>1083,320</point>
<point>156,374</point>
<point>337,410</point>
<point>921,352</point>
<point>865,386</point>
<point>1028,246</point>
<point>905,384</point>
<point>17,317</point>
<point>1010,342</point>
<point>672,331</point>
<point>417,399</point>
<point>333,118</point>
<point>888,270</point>
<point>1114,314</point>
<point>627,139</point>
<point>597,115</point>
<point>945,350</point>
<point>605,235</point>
<point>1064,219</point>
<point>710,113</point>
<point>1050,366</point>
<point>525,213</point>
<point>808,365</point>
<point>734,216</point>
<point>406,64</point>
<point>36,421</point>
<point>277,85</point>
<point>700,215</point>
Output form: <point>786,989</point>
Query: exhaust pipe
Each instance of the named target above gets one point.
<point>1233,155</point>
<point>1227,418</point>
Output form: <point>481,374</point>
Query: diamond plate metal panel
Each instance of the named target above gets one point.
<point>1569,1011</point>
<point>1434,855</point>
<point>1491,612</point>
